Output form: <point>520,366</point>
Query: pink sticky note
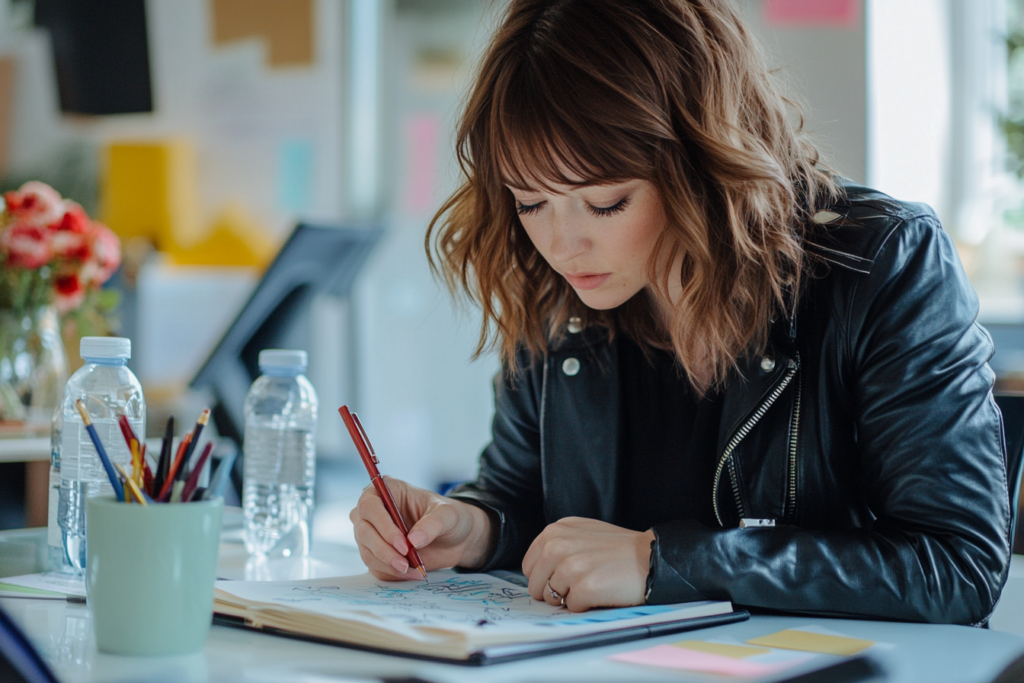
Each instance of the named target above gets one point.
<point>671,657</point>
<point>839,13</point>
<point>422,135</point>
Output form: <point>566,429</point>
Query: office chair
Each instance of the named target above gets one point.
<point>1012,407</point>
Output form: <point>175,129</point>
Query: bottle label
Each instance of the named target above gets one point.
<point>78,458</point>
<point>53,537</point>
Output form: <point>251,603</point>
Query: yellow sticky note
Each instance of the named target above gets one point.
<point>734,651</point>
<point>806,641</point>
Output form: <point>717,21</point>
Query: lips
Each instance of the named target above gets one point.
<point>587,280</point>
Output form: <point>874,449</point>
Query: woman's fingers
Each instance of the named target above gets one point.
<point>371,509</point>
<point>439,520</point>
<point>387,558</point>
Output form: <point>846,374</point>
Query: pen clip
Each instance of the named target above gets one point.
<point>366,439</point>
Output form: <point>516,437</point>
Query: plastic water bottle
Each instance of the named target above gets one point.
<point>108,389</point>
<point>280,456</point>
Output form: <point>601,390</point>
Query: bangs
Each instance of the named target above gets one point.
<point>557,128</point>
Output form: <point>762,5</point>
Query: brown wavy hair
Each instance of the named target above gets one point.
<point>675,92</point>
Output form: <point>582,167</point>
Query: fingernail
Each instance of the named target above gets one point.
<point>400,565</point>
<point>418,539</point>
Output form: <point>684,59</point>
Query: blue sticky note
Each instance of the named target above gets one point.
<point>294,175</point>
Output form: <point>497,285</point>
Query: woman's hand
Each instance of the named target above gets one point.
<point>589,563</point>
<point>445,532</point>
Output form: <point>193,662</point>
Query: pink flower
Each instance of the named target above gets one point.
<point>70,245</point>
<point>74,219</point>
<point>25,246</point>
<point>35,203</point>
<point>70,292</point>
<point>106,252</point>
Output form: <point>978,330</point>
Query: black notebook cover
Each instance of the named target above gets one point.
<point>509,653</point>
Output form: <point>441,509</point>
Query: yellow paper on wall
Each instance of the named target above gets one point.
<point>805,641</point>
<point>234,239</point>
<point>734,651</point>
<point>149,189</point>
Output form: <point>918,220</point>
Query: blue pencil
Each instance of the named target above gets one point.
<point>220,477</point>
<point>111,474</point>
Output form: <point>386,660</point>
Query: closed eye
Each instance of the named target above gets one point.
<point>527,209</point>
<point>609,210</point>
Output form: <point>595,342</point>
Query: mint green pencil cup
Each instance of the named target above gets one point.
<point>149,574</point>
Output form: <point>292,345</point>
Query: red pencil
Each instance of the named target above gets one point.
<point>193,479</point>
<point>362,442</point>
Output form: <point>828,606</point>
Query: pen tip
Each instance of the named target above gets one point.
<point>423,572</point>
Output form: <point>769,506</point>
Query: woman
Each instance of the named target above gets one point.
<point>727,374</point>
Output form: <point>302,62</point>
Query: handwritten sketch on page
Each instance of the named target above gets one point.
<point>450,600</point>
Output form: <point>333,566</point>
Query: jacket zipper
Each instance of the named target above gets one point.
<point>794,433</point>
<point>739,436</point>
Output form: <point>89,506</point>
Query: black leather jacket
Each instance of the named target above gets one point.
<point>867,431</point>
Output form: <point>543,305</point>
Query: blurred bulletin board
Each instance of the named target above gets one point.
<point>285,25</point>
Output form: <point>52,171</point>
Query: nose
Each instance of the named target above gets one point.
<point>568,239</point>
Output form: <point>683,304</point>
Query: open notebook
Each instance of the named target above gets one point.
<point>474,618</point>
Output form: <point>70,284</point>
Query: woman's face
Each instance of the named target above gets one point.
<point>598,237</point>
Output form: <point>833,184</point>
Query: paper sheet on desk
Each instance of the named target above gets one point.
<point>812,639</point>
<point>61,584</point>
<point>712,657</point>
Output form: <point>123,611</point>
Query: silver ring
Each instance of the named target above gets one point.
<point>556,595</point>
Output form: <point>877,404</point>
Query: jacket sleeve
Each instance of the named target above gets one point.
<point>508,485</point>
<point>932,463</point>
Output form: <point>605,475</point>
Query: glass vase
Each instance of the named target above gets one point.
<point>33,366</point>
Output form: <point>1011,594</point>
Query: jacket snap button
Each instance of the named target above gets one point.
<point>767,363</point>
<point>575,325</point>
<point>570,366</point>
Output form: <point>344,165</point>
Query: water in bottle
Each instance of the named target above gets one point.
<point>279,456</point>
<point>108,389</point>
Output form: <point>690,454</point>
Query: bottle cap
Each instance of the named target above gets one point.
<point>283,358</point>
<point>105,347</point>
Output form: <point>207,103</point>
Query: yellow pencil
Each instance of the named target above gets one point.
<point>136,493</point>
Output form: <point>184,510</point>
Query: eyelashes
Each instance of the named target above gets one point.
<point>609,210</point>
<point>601,211</point>
<point>527,209</point>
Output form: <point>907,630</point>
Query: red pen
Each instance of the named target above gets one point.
<point>362,442</point>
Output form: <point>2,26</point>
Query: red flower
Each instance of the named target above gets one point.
<point>70,292</point>
<point>25,246</point>
<point>68,284</point>
<point>70,246</point>
<point>35,203</point>
<point>74,219</point>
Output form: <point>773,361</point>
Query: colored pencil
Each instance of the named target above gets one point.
<point>220,477</point>
<point>197,471</point>
<point>163,465</point>
<point>100,450</point>
<point>134,447</point>
<point>197,432</point>
<point>165,490</point>
<point>131,486</point>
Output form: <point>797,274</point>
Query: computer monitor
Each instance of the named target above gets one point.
<point>100,54</point>
<point>313,260</point>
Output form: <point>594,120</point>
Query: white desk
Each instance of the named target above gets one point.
<point>63,633</point>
